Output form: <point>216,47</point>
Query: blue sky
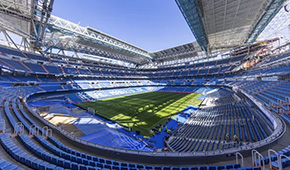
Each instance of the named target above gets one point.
<point>149,24</point>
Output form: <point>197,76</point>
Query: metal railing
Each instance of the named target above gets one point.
<point>18,128</point>
<point>269,155</point>
<point>2,126</point>
<point>257,156</point>
<point>280,161</point>
<point>238,154</point>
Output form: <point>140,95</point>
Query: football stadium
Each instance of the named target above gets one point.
<point>73,97</point>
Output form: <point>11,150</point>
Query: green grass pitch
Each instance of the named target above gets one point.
<point>143,111</point>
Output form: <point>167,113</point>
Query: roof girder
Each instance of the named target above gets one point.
<point>92,36</point>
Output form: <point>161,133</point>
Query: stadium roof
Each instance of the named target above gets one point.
<point>216,24</point>
<point>278,27</point>
<point>228,23</point>
<point>66,35</point>
<point>179,52</point>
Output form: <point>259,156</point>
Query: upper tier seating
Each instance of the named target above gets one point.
<point>220,66</point>
<point>9,51</point>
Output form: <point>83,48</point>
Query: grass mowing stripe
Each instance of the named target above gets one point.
<point>142,111</point>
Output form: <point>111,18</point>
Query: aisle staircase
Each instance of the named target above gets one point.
<point>25,66</point>
<point>44,69</point>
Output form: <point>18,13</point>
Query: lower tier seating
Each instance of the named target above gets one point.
<point>50,154</point>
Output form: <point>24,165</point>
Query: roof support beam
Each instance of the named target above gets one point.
<point>192,12</point>
<point>41,11</point>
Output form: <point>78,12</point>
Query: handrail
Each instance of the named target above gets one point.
<point>280,160</point>
<point>18,128</point>
<point>44,130</point>
<point>237,158</point>
<point>33,130</point>
<point>269,155</point>
<point>49,132</point>
<point>255,155</point>
<point>3,126</point>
